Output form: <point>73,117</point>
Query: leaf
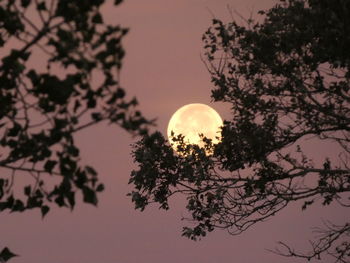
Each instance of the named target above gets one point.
<point>44,210</point>
<point>59,200</point>
<point>27,190</point>
<point>2,182</point>
<point>74,151</point>
<point>14,130</point>
<point>100,188</point>
<point>96,116</point>
<point>89,196</point>
<point>97,19</point>
<point>77,105</point>
<point>18,206</point>
<point>90,170</point>
<point>91,103</point>
<point>71,198</point>
<point>6,254</point>
<point>120,93</point>
<point>41,6</point>
<point>49,165</point>
<point>25,3</point>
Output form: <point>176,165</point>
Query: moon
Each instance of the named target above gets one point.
<point>192,120</point>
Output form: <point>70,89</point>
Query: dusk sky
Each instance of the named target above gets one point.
<point>164,71</point>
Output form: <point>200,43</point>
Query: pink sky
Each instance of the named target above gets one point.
<point>163,69</point>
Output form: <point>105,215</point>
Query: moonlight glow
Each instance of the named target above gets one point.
<point>192,120</point>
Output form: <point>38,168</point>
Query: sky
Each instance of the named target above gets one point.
<point>164,71</point>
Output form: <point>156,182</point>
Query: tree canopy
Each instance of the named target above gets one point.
<point>59,74</point>
<point>286,79</point>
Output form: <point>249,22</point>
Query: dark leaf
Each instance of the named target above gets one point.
<point>27,190</point>
<point>71,198</point>
<point>6,254</point>
<point>100,188</point>
<point>41,6</point>
<point>89,196</point>
<point>90,170</point>
<point>44,210</point>
<point>97,19</point>
<point>49,165</point>
<point>25,3</point>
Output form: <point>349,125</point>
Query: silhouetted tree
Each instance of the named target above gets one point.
<point>286,79</point>
<point>58,75</point>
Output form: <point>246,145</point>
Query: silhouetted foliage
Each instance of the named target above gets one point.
<point>6,254</point>
<point>286,79</point>
<point>58,75</point>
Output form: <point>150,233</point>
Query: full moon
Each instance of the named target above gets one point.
<point>192,120</point>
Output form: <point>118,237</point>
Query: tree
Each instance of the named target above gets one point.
<point>286,79</point>
<point>59,74</point>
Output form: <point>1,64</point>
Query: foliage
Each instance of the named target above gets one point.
<point>286,80</point>
<point>59,74</point>
<point>6,255</point>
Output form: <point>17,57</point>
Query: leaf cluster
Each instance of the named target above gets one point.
<point>61,77</point>
<point>286,79</point>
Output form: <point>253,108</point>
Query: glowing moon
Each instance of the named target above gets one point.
<point>192,120</point>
